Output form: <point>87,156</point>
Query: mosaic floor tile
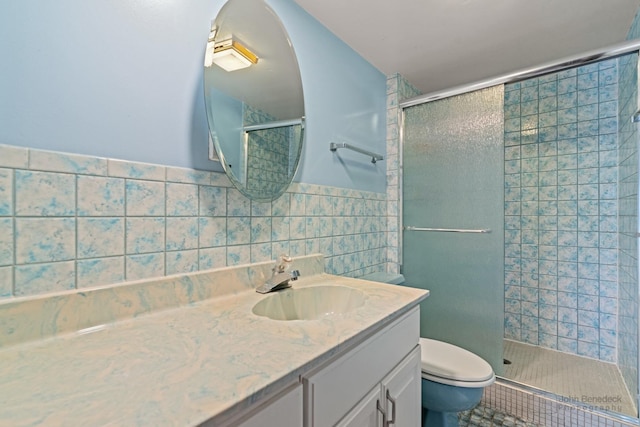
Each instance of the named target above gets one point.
<point>482,416</point>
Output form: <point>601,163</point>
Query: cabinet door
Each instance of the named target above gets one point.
<point>365,413</point>
<point>402,392</point>
<point>335,389</point>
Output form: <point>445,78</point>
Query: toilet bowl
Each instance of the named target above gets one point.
<point>453,378</point>
<point>452,381</point>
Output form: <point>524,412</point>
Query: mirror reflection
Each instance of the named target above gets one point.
<point>254,99</point>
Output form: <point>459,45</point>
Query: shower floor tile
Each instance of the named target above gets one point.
<point>578,379</point>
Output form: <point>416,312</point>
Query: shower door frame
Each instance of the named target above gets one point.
<point>613,51</point>
<point>609,52</point>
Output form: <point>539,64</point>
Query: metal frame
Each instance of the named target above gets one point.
<point>527,73</point>
<point>613,51</point>
<point>589,57</point>
<point>447,230</point>
<point>272,125</point>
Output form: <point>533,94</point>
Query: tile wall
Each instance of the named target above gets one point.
<point>269,154</point>
<point>398,89</point>
<point>69,221</point>
<point>561,211</point>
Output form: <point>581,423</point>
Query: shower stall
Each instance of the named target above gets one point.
<point>520,214</point>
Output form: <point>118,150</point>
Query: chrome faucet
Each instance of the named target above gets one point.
<point>280,278</point>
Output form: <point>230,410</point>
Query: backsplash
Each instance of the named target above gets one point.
<point>44,316</point>
<point>70,221</point>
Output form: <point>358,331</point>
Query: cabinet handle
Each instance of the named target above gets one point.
<point>393,409</point>
<point>383,412</point>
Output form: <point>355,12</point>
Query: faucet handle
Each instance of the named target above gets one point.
<point>282,264</point>
<point>295,274</point>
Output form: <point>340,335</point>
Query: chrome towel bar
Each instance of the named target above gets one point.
<point>333,146</point>
<point>447,230</point>
<point>275,124</point>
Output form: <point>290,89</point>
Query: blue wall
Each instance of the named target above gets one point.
<point>123,79</point>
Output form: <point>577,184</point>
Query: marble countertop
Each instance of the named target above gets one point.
<point>182,365</point>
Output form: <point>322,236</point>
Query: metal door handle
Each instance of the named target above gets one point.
<point>384,413</point>
<point>448,230</point>
<point>393,409</point>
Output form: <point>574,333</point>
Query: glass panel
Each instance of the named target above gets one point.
<point>628,223</point>
<point>453,178</point>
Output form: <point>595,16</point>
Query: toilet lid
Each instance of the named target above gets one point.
<point>447,361</point>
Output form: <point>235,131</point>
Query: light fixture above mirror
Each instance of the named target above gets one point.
<point>229,54</point>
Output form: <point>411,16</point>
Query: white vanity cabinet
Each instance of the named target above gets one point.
<point>377,382</point>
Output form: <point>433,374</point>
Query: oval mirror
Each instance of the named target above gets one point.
<point>254,99</point>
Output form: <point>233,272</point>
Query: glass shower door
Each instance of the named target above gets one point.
<point>453,179</point>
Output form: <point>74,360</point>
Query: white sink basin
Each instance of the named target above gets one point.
<point>309,303</point>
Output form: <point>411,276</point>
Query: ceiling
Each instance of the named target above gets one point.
<point>440,44</point>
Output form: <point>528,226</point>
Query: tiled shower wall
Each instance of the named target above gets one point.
<point>69,221</point>
<point>561,211</point>
<point>269,153</point>
<point>398,89</point>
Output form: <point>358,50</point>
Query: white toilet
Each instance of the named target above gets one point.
<point>452,378</point>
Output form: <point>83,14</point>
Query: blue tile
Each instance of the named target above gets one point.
<point>100,271</point>
<point>608,76</point>
<point>260,230</point>
<point>6,192</point>
<point>99,196</point>
<point>44,194</point>
<point>64,162</point>
<point>238,233</point>
<point>145,198</point>
<point>568,345</point>
<point>567,313</point>
<point>181,234</point>
<point>182,199</point>
<point>242,254</point>
<point>588,335</point>
<point>588,128</point>
<point>181,262</point>
<point>41,240</point>
<point>566,85</point>
<point>145,266</point>
<point>145,235</point>
<point>587,80</point>
<point>6,282</point>
<point>567,330</point>
<point>100,237</point>
<point>567,240</point>
<point>6,241</point>
<point>608,93</point>
<point>548,89</point>
<point>528,108</point>
<point>588,96</point>
<point>43,278</point>
<point>213,201</point>
<point>608,125</point>
<point>528,94</point>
